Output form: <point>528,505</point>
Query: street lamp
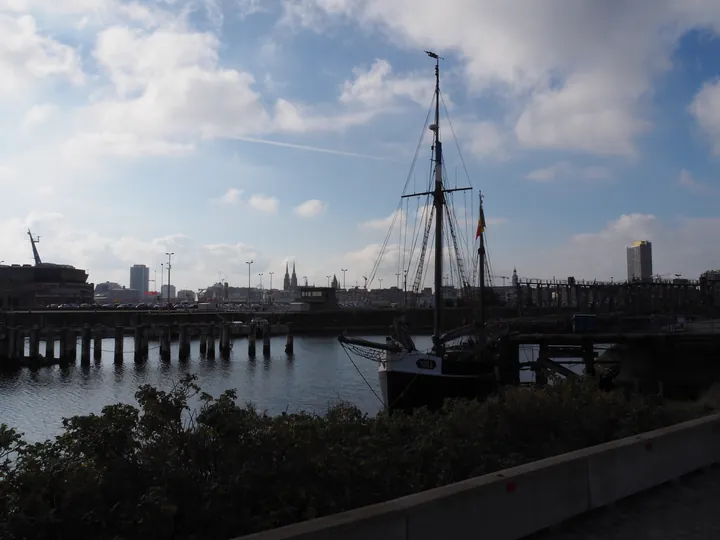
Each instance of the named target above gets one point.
<point>271,275</point>
<point>260,274</point>
<point>405,272</point>
<point>162,279</point>
<point>328,280</point>
<point>380,280</point>
<point>343,270</point>
<point>169,266</point>
<point>249,263</point>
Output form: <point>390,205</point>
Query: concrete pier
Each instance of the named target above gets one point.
<point>98,344</point>
<point>203,341</point>
<point>225,343</point>
<point>137,342</point>
<point>183,343</point>
<point>210,342</point>
<point>165,335</point>
<point>85,343</point>
<point>34,345</point>
<point>119,344</point>
<point>266,338</point>
<point>252,337</point>
<point>289,342</point>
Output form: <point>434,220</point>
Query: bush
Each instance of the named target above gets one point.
<point>161,471</point>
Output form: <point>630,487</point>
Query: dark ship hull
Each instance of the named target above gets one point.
<point>28,287</point>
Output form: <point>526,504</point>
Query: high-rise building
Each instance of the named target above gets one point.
<point>140,279</point>
<point>639,261</point>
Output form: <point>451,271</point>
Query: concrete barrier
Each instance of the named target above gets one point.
<point>516,502</point>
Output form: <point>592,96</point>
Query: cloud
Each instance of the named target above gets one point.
<point>38,114</point>
<point>705,108</point>
<point>572,77</point>
<point>564,170</point>
<point>687,181</point>
<point>679,246</point>
<point>26,57</point>
<point>379,87</point>
<point>383,224</point>
<point>264,203</point>
<point>231,196</point>
<point>310,208</point>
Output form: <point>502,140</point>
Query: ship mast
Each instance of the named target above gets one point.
<point>438,202</point>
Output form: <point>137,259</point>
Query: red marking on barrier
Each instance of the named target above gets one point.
<point>510,487</point>
<point>648,445</point>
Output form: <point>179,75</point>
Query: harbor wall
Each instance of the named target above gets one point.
<point>516,502</point>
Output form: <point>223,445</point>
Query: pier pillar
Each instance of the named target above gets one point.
<point>85,345</point>
<point>225,345</point>
<point>183,342</point>
<point>49,344</point>
<point>4,341</point>
<point>289,341</point>
<point>539,367</point>
<point>119,342</point>
<point>12,336</point>
<point>165,333</point>
<point>145,340</point>
<point>266,339</point>
<point>71,345</point>
<point>137,342</point>
<point>252,337</point>
<point>203,340</point>
<point>97,343</point>
<point>34,347</point>
<point>210,342</point>
<point>20,345</point>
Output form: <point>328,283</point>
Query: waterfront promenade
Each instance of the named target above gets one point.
<point>686,510</point>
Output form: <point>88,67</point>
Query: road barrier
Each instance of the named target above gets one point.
<point>513,503</point>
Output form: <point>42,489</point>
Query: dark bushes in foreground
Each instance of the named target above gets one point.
<point>229,470</point>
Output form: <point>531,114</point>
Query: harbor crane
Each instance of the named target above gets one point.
<point>504,278</point>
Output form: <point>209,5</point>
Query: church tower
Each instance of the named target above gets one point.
<point>293,279</point>
<point>286,279</point>
<point>515,277</point>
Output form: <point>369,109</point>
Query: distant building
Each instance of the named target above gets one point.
<point>140,279</point>
<point>164,291</point>
<point>319,298</point>
<point>186,295</point>
<point>290,283</point>
<point>639,261</point>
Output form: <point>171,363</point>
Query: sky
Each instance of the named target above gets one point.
<point>226,131</point>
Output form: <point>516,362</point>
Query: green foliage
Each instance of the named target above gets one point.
<point>162,471</point>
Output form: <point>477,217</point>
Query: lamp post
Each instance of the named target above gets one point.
<point>249,263</point>
<point>169,266</point>
<point>260,274</point>
<point>271,289</point>
<point>162,279</point>
<point>328,278</point>
<point>380,280</point>
<point>343,270</point>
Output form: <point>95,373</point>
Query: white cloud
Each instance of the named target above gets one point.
<point>38,114</point>
<point>310,208</point>
<point>689,182</point>
<point>565,170</point>
<point>384,224</point>
<point>231,196</point>
<point>575,77</point>
<point>706,110</point>
<point>26,56</point>
<point>264,203</point>
<point>379,87</point>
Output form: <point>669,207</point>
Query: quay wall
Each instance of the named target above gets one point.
<point>514,503</point>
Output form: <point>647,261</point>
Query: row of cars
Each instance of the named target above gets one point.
<point>140,306</point>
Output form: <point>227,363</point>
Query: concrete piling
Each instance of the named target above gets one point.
<point>225,343</point>
<point>165,334</point>
<point>34,346</point>
<point>97,344</point>
<point>71,345</point>
<point>203,341</point>
<point>20,345</point>
<point>85,344</point>
<point>289,342</point>
<point>183,343</point>
<point>210,342</point>
<point>252,336</point>
<point>137,342</point>
<point>145,340</point>
<point>119,342</point>
<point>49,346</point>
<point>266,338</point>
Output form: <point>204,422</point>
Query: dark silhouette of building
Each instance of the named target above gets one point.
<point>639,261</point>
<point>140,279</point>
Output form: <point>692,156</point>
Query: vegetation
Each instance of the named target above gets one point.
<point>161,471</point>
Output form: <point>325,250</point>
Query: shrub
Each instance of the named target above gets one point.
<point>162,471</point>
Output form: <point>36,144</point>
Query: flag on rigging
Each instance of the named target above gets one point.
<point>481,224</point>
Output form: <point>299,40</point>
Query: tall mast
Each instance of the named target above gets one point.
<point>439,202</point>
<point>481,253</point>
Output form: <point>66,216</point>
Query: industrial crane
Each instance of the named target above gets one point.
<point>501,277</point>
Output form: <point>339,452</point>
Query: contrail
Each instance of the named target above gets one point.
<point>311,148</point>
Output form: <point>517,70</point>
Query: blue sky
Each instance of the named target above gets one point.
<point>230,130</point>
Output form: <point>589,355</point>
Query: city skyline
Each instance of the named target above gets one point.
<point>227,132</point>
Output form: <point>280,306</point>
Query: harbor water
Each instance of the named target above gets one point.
<point>319,374</point>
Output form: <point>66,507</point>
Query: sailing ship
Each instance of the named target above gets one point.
<point>462,361</point>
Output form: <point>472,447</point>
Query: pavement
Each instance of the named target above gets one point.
<point>687,510</point>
